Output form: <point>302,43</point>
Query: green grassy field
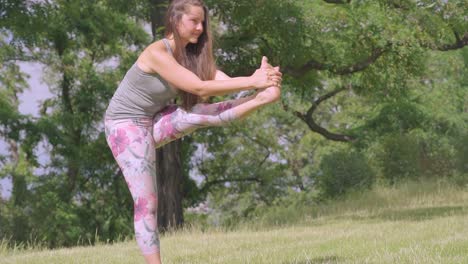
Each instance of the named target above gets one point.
<point>412,223</point>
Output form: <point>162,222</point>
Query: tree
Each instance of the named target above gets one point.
<point>361,48</point>
<point>15,165</point>
<point>75,40</point>
<point>356,72</point>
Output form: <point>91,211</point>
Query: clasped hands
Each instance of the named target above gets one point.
<point>268,82</point>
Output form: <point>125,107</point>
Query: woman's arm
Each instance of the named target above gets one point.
<point>167,67</point>
<point>220,75</point>
<point>216,108</point>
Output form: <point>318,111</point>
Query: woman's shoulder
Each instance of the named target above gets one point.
<point>150,55</point>
<point>157,47</point>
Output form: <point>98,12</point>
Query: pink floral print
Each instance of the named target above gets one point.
<point>224,106</point>
<point>140,209</point>
<point>133,141</point>
<point>119,141</point>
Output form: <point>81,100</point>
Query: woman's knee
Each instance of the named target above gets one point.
<point>145,206</point>
<point>153,204</point>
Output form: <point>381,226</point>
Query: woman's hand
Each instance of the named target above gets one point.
<point>266,76</point>
<point>270,94</point>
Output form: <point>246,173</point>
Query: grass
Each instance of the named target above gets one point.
<point>410,223</point>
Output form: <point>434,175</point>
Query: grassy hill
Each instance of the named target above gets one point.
<point>411,223</point>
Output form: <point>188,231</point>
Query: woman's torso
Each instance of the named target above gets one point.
<point>140,94</point>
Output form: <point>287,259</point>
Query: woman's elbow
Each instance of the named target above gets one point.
<point>197,90</point>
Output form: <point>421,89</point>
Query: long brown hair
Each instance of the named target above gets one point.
<point>198,57</point>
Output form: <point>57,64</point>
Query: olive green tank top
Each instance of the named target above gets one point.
<point>140,94</point>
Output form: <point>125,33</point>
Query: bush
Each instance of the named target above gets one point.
<point>462,154</point>
<point>418,154</point>
<point>400,158</point>
<point>460,179</point>
<point>343,171</point>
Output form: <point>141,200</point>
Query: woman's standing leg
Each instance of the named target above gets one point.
<point>132,145</point>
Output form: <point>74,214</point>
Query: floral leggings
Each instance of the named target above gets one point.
<point>133,141</point>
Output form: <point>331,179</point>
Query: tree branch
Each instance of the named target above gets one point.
<point>338,1</point>
<point>324,132</point>
<point>324,97</point>
<point>262,145</point>
<point>359,66</point>
<point>308,119</point>
<point>460,43</point>
<point>208,184</point>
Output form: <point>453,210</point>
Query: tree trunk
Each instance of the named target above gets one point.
<point>169,173</point>
<point>72,163</point>
<point>19,192</point>
<point>158,11</point>
<point>18,196</point>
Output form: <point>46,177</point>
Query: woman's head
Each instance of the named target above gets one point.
<point>187,21</point>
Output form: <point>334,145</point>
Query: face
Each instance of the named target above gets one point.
<point>190,26</point>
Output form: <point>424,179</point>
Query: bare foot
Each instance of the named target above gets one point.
<point>269,95</point>
<point>272,93</point>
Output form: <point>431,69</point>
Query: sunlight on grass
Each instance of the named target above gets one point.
<point>410,223</point>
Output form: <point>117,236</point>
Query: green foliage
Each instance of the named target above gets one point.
<point>462,156</point>
<point>60,225</point>
<point>253,162</point>
<point>396,94</point>
<point>255,28</point>
<point>417,154</point>
<point>12,81</point>
<point>68,201</point>
<point>404,103</point>
<point>380,201</point>
<point>289,209</point>
<point>343,171</point>
<point>397,117</point>
<point>399,158</point>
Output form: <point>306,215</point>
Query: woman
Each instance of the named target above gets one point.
<point>140,119</point>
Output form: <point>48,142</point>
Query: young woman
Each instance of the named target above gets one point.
<point>139,117</point>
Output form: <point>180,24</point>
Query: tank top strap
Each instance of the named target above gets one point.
<point>168,46</point>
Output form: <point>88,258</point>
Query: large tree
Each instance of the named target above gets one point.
<point>74,196</point>
<point>356,72</point>
<point>15,165</point>
<point>326,48</point>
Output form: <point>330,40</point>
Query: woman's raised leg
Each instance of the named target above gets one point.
<point>174,122</point>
